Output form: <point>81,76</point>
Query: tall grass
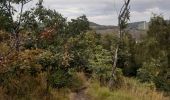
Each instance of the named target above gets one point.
<point>131,90</point>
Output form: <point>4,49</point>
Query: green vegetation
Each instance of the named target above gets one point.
<point>130,90</point>
<point>45,57</point>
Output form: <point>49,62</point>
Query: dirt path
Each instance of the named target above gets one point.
<point>79,95</point>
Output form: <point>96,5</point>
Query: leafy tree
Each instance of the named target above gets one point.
<point>79,25</point>
<point>127,59</point>
<point>8,23</point>
<point>156,52</point>
<point>45,25</point>
<point>101,64</point>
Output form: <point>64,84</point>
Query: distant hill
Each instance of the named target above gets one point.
<point>136,29</point>
<point>94,24</point>
<point>142,25</point>
<point>101,27</point>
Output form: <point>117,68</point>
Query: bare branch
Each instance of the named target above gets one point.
<point>122,20</point>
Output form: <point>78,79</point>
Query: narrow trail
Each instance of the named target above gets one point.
<point>80,95</point>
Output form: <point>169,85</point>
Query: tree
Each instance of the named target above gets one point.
<point>155,54</point>
<point>45,25</point>
<point>159,30</point>
<point>122,23</point>
<point>79,25</point>
<point>127,56</point>
<point>7,13</point>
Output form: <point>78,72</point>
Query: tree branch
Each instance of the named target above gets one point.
<point>21,12</point>
<point>122,19</point>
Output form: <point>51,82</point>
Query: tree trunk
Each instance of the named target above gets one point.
<point>114,59</point>
<point>17,42</point>
<point>122,20</point>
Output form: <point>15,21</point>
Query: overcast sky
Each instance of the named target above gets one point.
<point>105,11</point>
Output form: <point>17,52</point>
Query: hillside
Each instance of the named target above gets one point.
<point>136,29</point>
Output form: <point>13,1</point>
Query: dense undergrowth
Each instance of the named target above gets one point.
<point>132,89</point>
<point>48,58</point>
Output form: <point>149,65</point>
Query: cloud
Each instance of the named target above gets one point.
<point>106,11</point>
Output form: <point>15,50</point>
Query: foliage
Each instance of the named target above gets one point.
<point>127,56</point>
<point>79,25</point>
<point>131,90</point>
<point>102,64</point>
<point>56,54</point>
<point>155,57</point>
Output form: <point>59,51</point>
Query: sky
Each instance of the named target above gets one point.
<point>105,12</point>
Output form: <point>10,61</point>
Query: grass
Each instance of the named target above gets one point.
<point>131,90</point>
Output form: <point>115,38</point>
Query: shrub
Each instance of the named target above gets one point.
<point>131,90</point>
<point>144,76</point>
<point>60,78</point>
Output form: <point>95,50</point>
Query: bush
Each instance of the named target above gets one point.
<point>162,84</point>
<point>60,79</point>
<point>144,76</point>
<point>131,90</point>
<point>78,82</point>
